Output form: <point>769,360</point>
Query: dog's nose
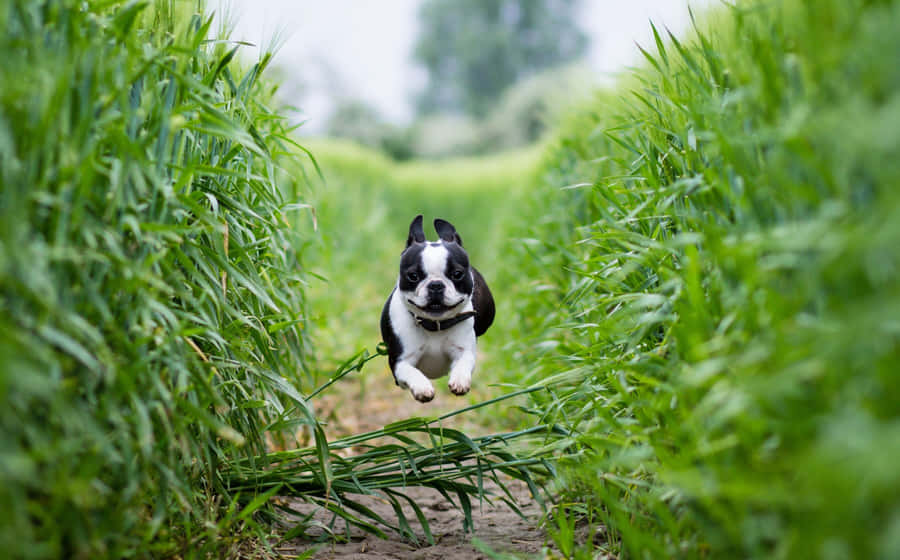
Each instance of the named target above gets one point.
<point>436,287</point>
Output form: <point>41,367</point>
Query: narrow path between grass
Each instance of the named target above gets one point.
<point>359,266</point>
<point>367,401</point>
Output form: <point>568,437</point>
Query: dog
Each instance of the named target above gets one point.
<point>437,309</point>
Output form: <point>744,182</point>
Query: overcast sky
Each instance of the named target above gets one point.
<point>362,49</point>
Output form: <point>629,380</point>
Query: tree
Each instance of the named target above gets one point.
<point>473,50</point>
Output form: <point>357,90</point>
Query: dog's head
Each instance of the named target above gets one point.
<point>435,278</point>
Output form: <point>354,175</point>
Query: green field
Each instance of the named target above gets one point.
<point>696,277</point>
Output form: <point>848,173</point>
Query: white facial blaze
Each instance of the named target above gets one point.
<point>434,261</point>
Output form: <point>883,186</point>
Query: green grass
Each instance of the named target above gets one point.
<point>151,306</point>
<point>155,341</point>
<point>713,298</point>
<point>696,284</point>
<point>696,287</point>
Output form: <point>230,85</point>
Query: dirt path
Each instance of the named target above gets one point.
<point>496,525</point>
<point>371,401</point>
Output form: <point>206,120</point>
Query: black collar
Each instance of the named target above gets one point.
<point>434,326</point>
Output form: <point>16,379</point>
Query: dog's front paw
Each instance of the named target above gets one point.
<point>422,393</point>
<point>459,386</point>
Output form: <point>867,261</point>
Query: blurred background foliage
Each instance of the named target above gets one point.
<point>495,72</point>
<point>474,50</point>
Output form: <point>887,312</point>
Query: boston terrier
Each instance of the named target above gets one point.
<point>432,317</point>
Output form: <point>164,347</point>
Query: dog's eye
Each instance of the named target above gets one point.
<point>412,276</point>
<point>457,274</point>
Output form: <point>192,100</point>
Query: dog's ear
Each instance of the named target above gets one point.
<point>447,232</point>
<point>416,233</point>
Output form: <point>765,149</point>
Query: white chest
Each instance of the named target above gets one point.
<point>433,353</point>
<point>435,356</point>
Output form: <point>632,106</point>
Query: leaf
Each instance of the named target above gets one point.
<point>257,502</point>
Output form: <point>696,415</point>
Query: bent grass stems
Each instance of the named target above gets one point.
<point>424,453</point>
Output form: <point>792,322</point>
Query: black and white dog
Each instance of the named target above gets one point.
<point>438,307</point>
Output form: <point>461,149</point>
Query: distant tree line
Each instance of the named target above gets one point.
<point>473,50</point>
<point>475,53</point>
